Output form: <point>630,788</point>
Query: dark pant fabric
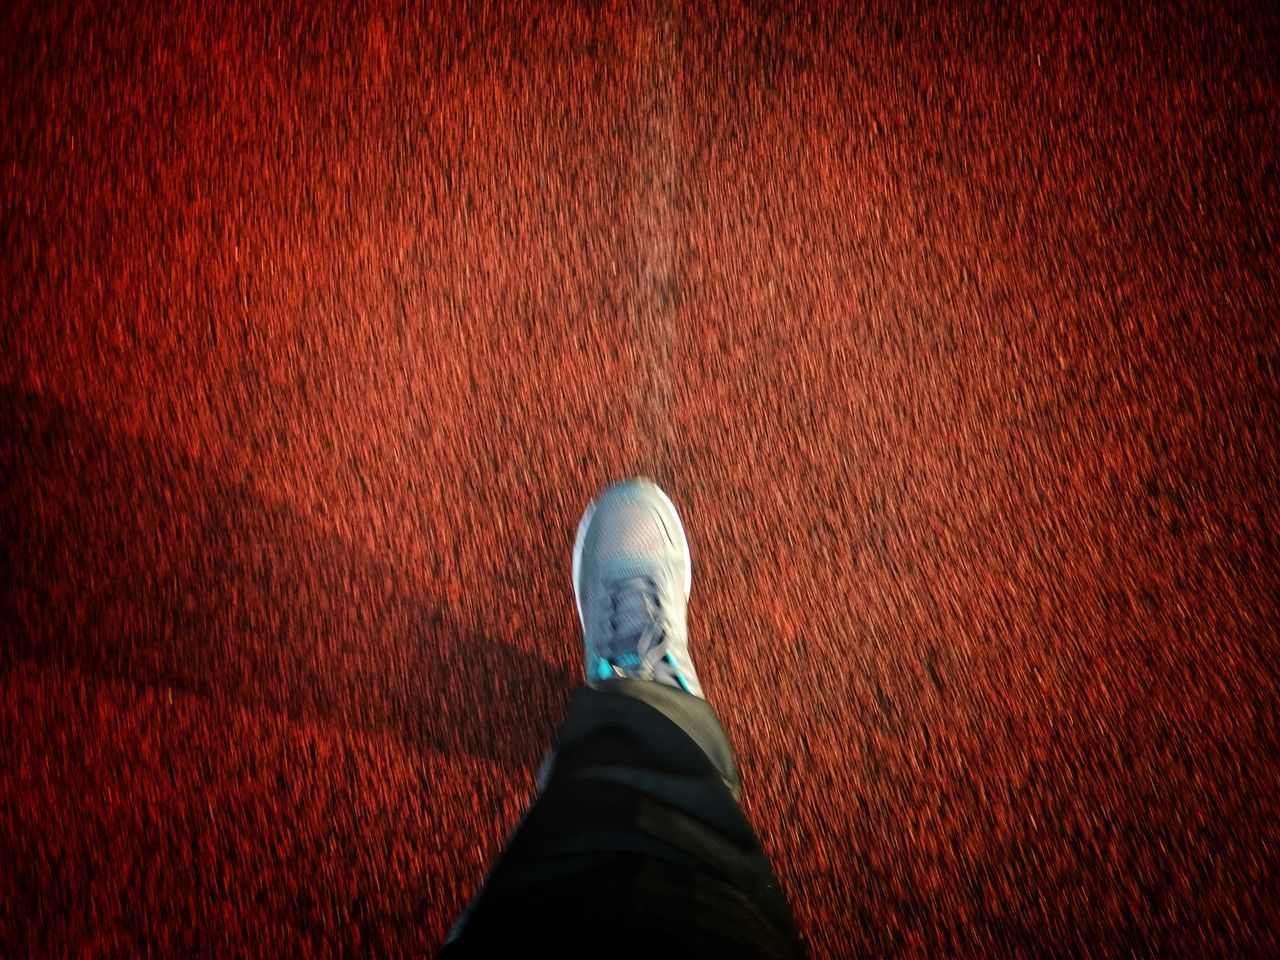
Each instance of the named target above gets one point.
<point>636,846</point>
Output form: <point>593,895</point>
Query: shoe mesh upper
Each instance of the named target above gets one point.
<point>629,529</point>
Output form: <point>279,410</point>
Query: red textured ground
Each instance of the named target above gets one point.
<point>952,331</point>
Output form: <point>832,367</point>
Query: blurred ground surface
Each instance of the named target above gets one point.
<point>952,331</point>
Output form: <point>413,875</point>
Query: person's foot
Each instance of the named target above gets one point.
<point>631,578</point>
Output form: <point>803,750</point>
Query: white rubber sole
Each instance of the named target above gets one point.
<point>581,539</point>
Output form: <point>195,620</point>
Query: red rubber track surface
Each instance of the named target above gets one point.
<point>951,329</point>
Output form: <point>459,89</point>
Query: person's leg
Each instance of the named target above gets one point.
<point>637,836</point>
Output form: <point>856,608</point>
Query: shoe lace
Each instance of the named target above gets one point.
<point>639,625</point>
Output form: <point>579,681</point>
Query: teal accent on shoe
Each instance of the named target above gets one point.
<point>684,684</point>
<point>604,671</point>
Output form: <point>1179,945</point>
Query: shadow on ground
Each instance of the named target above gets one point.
<point>129,561</point>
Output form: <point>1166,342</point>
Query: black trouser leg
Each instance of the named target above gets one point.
<point>636,844</point>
